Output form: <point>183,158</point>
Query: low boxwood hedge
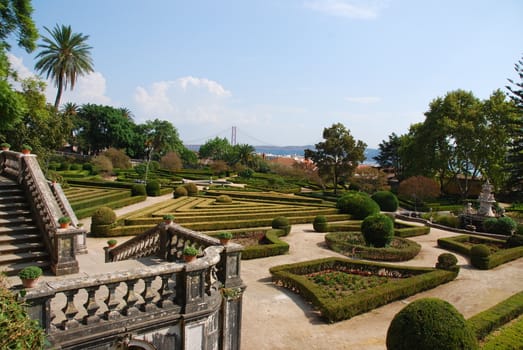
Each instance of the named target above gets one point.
<point>489,320</point>
<point>293,277</point>
<point>276,247</point>
<point>84,213</point>
<point>411,231</point>
<point>501,256</point>
<point>345,243</point>
<point>507,337</point>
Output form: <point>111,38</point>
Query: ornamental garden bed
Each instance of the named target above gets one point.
<point>497,252</point>
<point>352,244</point>
<point>343,288</point>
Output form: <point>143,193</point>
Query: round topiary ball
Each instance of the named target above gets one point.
<point>281,223</point>
<point>428,324</point>
<point>447,261</point>
<point>358,204</point>
<point>378,230</point>
<point>489,225</point>
<point>138,190</point>
<point>103,216</point>
<point>479,256</point>
<point>153,188</point>
<point>505,226</point>
<point>192,189</point>
<point>180,191</point>
<point>320,224</point>
<point>224,199</point>
<point>386,200</point>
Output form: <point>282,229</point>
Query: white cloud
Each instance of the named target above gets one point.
<point>212,86</point>
<point>89,88</point>
<point>354,9</point>
<point>363,99</point>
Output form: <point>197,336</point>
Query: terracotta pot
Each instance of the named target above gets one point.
<point>168,222</point>
<point>64,225</point>
<point>26,151</point>
<point>224,241</point>
<point>5,148</point>
<point>112,245</point>
<point>189,258</point>
<point>30,282</point>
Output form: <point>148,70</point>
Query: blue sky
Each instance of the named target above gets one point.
<point>282,70</point>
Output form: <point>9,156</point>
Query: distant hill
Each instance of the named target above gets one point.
<point>370,153</point>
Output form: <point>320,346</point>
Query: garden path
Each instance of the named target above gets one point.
<point>275,318</point>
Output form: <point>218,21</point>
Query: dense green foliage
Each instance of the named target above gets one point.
<point>338,155</point>
<point>514,165</point>
<point>386,200</point>
<point>502,226</point>
<point>274,246</point>
<point>378,230</point>
<point>281,223</point>
<point>320,223</point>
<point>17,330</point>
<point>479,254</point>
<point>138,190</point>
<point>295,277</point>
<point>224,199</point>
<point>447,261</point>
<point>180,191</point>
<point>103,216</point>
<point>427,324</point>
<point>358,204</point>
<point>152,188</point>
<point>192,189</point>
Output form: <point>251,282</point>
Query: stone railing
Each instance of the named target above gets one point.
<point>60,243</point>
<point>112,308</point>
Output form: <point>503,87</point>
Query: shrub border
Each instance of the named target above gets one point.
<point>291,276</point>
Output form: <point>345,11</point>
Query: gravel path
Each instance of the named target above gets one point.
<point>275,318</point>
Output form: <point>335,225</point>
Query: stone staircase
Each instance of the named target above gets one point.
<point>20,240</point>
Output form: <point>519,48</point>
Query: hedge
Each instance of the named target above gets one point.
<point>489,320</point>
<point>84,213</point>
<point>494,259</point>
<point>101,199</point>
<point>336,309</point>
<point>412,231</point>
<point>507,338</point>
<point>337,241</point>
<point>276,247</point>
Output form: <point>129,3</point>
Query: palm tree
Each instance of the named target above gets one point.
<point>64,57</point>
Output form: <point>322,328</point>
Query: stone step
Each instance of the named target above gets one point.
<point>13,269</point>
<point>12,199</point>
<point>16,221</point>
<point>15,247</point>
<point>19,236</point>
<point>16,212</point>
<point>7,259</point>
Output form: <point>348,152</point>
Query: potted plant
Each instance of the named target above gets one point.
<point>189,253</point>
<point>224,237</point>
<point>168,218</point>
<point>64,221</point>
<point>29,276</point>
<point>5,146</point>
<point>111,243</point>
<point>26,149</point>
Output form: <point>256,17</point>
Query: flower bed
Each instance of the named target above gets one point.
<point>353,245</point>
<point>401,282</point>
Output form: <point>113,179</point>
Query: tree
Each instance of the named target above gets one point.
<point>64,57</point>
<point>171,161</point>
<point>337,156</point>
<point>515,155</point>
<point>389,156</point>
<point>215,149</point>
<point>162,137</point>
<point>15,18</point>
<point>369,179</point>
<point>419,189</point>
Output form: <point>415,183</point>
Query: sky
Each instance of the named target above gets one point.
<point>281,71</point>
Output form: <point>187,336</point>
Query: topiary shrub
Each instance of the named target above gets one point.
<point>378,230</point>
<point>447,220</point>
<point>281,223</point>
<point>447,261</point>
<point>224,199</point>
<point>320,224</point>
<point>88,167</point>
<point>505,226</point>
<point>479,256</point>
<point>192,189</point>
<point>138,190</point>
<point>153,188</point>
<point>180,191</point>
<point>430,323</point>
<point>386,200</point>
<point>76,166</point>
<point>515,241</point>
<point>64,166</point>
<point>489,225</point>
<point>103,216</point>
<point>358,204</point>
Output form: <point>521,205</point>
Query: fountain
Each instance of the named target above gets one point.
<point>471,218</point>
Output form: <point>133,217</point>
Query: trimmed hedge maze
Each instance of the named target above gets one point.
<point>389,283</point>
<point>484,253</point>
<point>206,214</point>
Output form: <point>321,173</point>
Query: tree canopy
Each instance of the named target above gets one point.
<point>515,154</point>
<point>65,56</point>
<point>337,156</point>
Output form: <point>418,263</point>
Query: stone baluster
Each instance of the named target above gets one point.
<point>148,294</point>
<point>91,306</point>
<point>70,311</point>
<point>165,293</point>
<point>112,302</point>
<point>131,299</point>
